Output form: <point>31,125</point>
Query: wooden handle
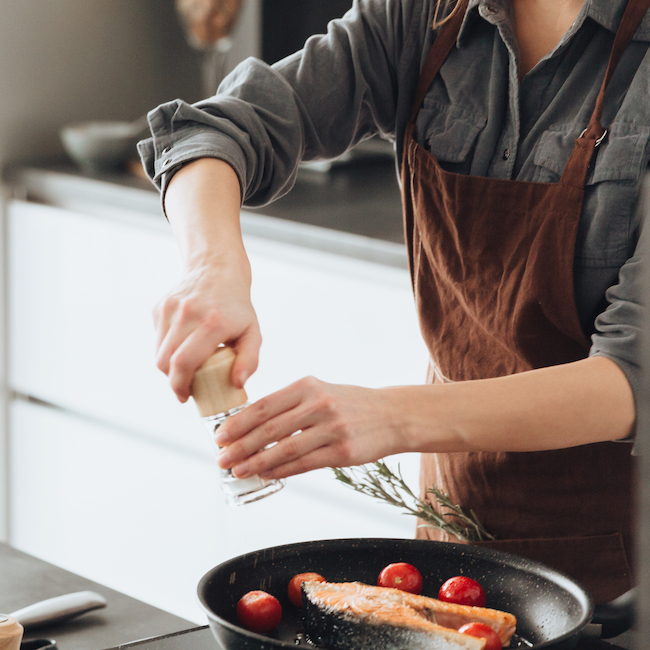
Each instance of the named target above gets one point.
<point>11,633</point>
<point>212,390</point>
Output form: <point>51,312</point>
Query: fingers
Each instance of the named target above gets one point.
<point>270,419</point>
<point>190,328</point>
<point>301,452</point>
<point>189,356</point>
<point>295,430</point>
<point>247,349</point>
<point>163,315</point>
<point>183,323</point>
<point>319,458</point>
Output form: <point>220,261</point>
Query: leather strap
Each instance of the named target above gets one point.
<point>575,171</point>
<point>437,54</point>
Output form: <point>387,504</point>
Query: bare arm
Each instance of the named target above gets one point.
<point>211,305</point>
<point>568,405</point>
<point>551,408</point>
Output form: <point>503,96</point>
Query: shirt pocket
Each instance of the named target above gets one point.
<point>621,156</point>
<point>606,230</point>
<point>450,133</point>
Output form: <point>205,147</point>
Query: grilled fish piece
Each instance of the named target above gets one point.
<point>350,615</point>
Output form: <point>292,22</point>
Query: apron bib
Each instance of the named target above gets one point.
<point>491,263</point>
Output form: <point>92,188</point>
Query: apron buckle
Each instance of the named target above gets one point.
<point>598,140</point>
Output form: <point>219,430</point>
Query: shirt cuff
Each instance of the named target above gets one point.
<point>168,150</point>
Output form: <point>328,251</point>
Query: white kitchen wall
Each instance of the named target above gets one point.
<point>69,60</point>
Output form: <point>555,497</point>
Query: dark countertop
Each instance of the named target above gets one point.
<point>25,580</point>
<point>362,199</point>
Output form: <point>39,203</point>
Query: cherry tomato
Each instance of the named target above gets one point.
<point>462,591</point>
<point>482,631</point>
<point>258,611</point>
<point>401,576</point>
<point>295,594</point>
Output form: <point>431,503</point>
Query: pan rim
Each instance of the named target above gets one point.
<point>515,561</point>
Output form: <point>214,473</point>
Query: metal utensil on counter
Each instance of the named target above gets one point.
<point>38,644</point>
<point>46,612</point>
<point>58,609</point>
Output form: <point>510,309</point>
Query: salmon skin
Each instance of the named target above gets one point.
<point>355,616</point>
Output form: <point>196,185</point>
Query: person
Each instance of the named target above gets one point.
<point>522,133</point>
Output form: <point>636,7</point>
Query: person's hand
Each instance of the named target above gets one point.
<point>212,304</point>
<point>315,425</point>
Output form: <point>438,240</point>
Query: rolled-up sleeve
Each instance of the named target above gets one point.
<point>316,104</point>
<point>619,328</point>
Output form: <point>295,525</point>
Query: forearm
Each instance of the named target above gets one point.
<point>562,406</point>
<point>551,408</point>
<point>202,204</point>
<point>211,305</point>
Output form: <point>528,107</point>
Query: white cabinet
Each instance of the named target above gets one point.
<point>113,478</point>
<point>148,519</point>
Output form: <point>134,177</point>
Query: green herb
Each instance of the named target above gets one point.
<point>378,481</point>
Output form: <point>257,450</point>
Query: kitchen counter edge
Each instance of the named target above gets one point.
<point>129,198</point>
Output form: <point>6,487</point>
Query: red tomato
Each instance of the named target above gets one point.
<point>462,591</point>
<point>258,611</point>
<point>401,576</point>
<point>482,631</point>
<point>295,594</point>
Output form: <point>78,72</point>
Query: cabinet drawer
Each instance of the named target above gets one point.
<point>81,291</point>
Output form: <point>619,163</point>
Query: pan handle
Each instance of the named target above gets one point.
<point>617,616</point>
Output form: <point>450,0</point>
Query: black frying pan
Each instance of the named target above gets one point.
<point>551,609</point>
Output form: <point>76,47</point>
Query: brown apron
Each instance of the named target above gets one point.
<point>491,263</point>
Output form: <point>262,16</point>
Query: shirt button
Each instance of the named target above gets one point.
<point>166,150</point>
<point>506,154</point>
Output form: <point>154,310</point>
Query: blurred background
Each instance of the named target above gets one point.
<point>102,471</point>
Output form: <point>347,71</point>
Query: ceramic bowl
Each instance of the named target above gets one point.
<point>101,146</point>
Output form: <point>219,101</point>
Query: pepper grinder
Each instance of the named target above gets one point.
<point>217,400</point>
<point>11,633</point>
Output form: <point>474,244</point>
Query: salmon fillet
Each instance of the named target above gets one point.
<point>359,616</point>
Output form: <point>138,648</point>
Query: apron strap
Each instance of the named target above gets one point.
<point>634,13</point>
<point>437,54</point>
<point>575,171</point>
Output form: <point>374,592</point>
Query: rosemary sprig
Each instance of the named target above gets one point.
<point>378,481</point>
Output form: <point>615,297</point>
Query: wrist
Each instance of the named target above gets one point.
<point>202,204</point>
<point>424,419</point>
<point>221,256</point>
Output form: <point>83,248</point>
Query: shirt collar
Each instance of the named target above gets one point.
<point>605,12</point>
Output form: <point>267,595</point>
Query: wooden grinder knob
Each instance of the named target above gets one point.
<point>11,633</point>
<point>212,389</point>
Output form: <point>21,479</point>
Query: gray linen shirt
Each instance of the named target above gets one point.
<point>358,80</point>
